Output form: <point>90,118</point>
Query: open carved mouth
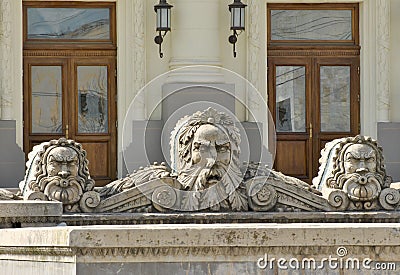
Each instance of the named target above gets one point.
<point>214,177</point>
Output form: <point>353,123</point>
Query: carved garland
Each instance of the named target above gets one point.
<point>383,58</point>
<point>5,58</point>
<point>139,56</point>
<point>254,51</point>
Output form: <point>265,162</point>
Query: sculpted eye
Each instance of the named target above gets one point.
<point>350,158</point>
<point>222,149</point>
<point>371,159</point>
<point>53,162</point>
<point>196,147</point>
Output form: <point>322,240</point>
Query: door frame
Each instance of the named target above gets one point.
<point>92,49</point>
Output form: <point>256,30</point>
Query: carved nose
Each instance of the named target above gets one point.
<point>212,157</point>
<point>64,174</point>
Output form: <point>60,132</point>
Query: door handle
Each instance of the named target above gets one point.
<point>67,131</point>
<point>311,131</point>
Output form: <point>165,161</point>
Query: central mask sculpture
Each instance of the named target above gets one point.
<point>206,175</point>
<point>205,154</point>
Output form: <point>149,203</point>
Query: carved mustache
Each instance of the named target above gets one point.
<point>63,182</point>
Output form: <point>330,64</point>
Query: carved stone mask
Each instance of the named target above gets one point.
<point>62,162</point>
<point>211,153</point>
<point>360,180</point>
<point>63,182</point>
<point>210,145</point>
<point>360,158</point>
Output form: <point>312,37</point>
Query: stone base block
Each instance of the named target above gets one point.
<point>254,248</point>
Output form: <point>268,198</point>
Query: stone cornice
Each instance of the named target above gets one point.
<point>246,217</point>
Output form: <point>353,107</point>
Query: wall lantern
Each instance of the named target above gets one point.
<point>163,10</point>
<point>237,9</point>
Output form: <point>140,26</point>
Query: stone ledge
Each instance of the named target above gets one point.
<point>194,235</point>
<point>232,217</point>
<point>29,213</point>
<point>190,242</point>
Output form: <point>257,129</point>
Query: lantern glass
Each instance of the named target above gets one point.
<point>237,18</point>
<point>163,19</point>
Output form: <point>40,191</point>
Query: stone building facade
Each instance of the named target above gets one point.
<point>199,37</point>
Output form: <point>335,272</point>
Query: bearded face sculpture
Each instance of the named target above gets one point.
<point>211,156</point>
<point>355,166</point>
<point>205,155</point>
<point>360,181</point>
<point>57,170</point>
<point>63,182</point>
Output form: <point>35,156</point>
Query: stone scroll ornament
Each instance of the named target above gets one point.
<point>205,175</point>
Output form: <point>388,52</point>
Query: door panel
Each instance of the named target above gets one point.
<point>337,113</point>
<point>44,100</point>
<point>313,100</point>
<point>293,157</point>
<point>47,101</point>
<point>290,105</point>
<point>94,115</point>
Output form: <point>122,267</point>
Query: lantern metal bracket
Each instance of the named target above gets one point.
<point>233,40</point>
<point>159,40</point>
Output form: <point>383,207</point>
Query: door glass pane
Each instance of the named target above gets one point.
<point>92,99</point>
<point>46,92</point>
<point>335,98</point>
<point>311,25</point>
<point>290,98</point>
<point>68,23</point>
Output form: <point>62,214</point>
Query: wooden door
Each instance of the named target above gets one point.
<point>73,97</point>
<point>313,100</point>
<point>290,104</point>
<point>336,91</point>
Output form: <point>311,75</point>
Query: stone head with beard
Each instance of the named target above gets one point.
<point>205,154</point>
<point>57,170</point>
<point>355,166</point>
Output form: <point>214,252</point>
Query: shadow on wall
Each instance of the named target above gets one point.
<point>388,138</point>
<point>12,158</point>
<point>150,139</point>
